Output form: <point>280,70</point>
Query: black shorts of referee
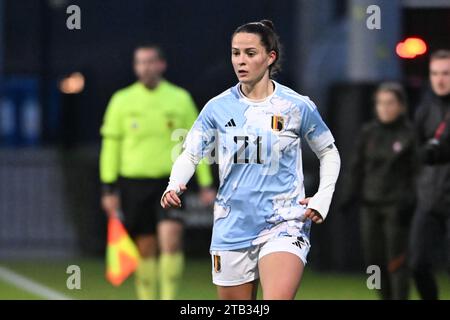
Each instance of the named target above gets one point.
<point>141,210</point>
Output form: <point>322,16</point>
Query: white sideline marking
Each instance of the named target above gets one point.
<point>31,286</point>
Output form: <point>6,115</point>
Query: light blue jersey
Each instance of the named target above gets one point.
<point>258,148</point>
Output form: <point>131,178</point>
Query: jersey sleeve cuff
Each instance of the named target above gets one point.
<point>109,188</point>
<point>315,205</point>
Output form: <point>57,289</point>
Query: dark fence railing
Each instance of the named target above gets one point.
<point>33,206</point>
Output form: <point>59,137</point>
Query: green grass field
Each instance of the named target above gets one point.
<point>196,282</point>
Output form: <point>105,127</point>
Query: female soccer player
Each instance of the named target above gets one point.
<point>255,130</point>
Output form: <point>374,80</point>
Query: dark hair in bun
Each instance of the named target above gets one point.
<point>268,23</point>
<point>269,39</point>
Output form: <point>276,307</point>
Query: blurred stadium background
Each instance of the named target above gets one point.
<point>55,84</point>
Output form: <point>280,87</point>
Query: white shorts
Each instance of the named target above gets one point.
<point>235,267</point>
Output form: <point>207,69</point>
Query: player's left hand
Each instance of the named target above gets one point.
<point>207,196</point>
<point>311,213</point>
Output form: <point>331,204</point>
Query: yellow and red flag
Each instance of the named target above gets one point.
<point>122,256</point>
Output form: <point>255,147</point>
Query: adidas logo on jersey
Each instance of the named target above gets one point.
<point>231,123</point>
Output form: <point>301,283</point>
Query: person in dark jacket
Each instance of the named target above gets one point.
<point>431,223</point>
<point>382,180</point>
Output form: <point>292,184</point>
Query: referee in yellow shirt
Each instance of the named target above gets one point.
<point>135,164</point>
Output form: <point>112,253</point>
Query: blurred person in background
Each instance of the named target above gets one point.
<point>135,163</point>
<point>431,223</point>
<point>382,180</point>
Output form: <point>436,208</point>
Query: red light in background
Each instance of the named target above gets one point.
<point>411,48</point>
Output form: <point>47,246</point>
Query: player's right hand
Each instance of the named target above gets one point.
<point>110,203</point>
<point>171,198</point>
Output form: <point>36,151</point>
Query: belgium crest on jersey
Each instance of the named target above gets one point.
<point>277,123</point>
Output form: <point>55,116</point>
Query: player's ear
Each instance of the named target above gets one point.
<point>163,65</point>
<point>272,58</point>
